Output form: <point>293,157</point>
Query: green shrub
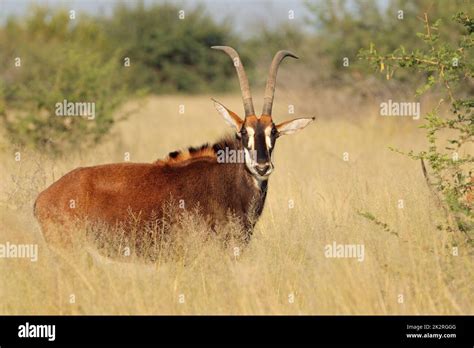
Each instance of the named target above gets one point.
<point>169,54</point>
<point>61,59</point>
<point>447,64</point>
<point>345,26</point>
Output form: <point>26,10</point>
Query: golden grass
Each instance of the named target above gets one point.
<point>285,259</point>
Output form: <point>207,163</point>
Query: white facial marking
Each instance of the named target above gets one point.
<point>251,133</point>
<point>268,139</point>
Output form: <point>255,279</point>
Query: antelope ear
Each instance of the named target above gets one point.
<point>229,116</point>
<point>290,127</point>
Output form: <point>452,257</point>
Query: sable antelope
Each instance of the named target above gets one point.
<point>108,193</point>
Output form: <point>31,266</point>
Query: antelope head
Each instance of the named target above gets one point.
<point>258,134</point>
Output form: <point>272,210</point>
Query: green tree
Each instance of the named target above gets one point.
<point>45,59</point>
<point>170,50</point>
<point>445,63</point>
<point>344,26</point>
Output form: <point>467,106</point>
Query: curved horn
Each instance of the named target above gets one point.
<point>243,81</point>
<point>271,81</point>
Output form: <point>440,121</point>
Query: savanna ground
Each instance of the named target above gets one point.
<point>313,200</point>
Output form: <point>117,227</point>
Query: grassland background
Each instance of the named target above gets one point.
<point>286,253</point>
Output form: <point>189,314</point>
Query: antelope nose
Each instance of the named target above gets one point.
<point>262,169</point>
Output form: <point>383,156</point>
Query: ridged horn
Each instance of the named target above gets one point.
<point>243,81</point>
<point>271,81</point>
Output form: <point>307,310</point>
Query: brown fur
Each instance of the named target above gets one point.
<point>109,193</point>
<point>264,120</point>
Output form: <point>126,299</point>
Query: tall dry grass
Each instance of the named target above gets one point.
<point>313,200</point>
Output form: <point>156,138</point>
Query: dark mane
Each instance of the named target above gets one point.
<point>203,152</point>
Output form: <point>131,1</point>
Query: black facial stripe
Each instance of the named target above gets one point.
<point>261,148</point>
<point>245,139</point>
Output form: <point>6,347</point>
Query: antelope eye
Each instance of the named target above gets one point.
<point>274,131</point>
<point>243,131</point>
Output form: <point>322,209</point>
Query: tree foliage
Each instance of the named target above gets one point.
<point>449,65</point>
<point>345,26</point>
<point>47,57</point>
<point>170,50</point>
